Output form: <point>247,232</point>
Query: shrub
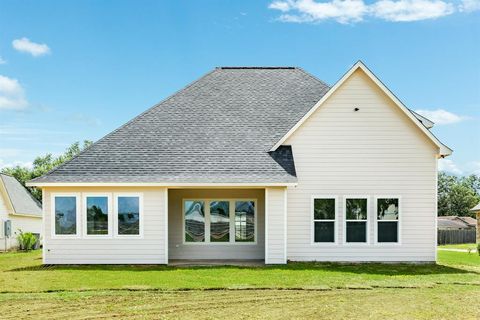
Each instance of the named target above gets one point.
<point>26,240</point>
<point>478,248</point>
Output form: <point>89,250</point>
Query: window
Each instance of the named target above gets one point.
<point>387,219</point>
<point>356,214</point>
<point>66,218</point>
<point>97,215</point>
<point>324,215</point>
<point>244,221</point>
<point>128,216</point>
<point>194,221</point>
<point>219,221</point>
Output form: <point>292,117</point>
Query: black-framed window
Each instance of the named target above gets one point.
<point>388,210</point>
<point>356,222</point>
<point>324,216</point>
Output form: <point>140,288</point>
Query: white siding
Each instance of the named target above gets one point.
<point>111,250</point>
<point>275,219</point>
<point>26,224</point>
<point>374,151</point>
<point>179,250</point>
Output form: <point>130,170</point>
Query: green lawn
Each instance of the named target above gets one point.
<point>459,246</point>
<point>449,289</point>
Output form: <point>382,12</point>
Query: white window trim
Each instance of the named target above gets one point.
<point>78,215</point>
<point>110,214</point>
<point>367,240</point>
<point>312,221</point>
<point>399,227</point>
<point>140,217</point>
<point>232,241</point>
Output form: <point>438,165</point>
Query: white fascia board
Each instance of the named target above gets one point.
<point>155,184</point>
<point>443,150</point>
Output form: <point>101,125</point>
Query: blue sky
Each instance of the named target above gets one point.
<point>71,71</point>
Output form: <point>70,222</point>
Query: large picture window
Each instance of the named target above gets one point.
<point>324,216</point>
<point>356,220</point>
<point>65,209</point>
<point>128,215</point>
<point>219,221</point>
<point>388,210</point>
<point>97,215</point>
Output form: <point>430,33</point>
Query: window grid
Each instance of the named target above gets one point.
<point>232,219</point>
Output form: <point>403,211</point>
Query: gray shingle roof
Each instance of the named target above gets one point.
<point>476,208</point>
<point>218,129</point>
<point>22,201</point>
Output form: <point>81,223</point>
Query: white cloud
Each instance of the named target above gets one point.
<point>280,5</point>
<point>447,165</point>
<point>473,167</point>
<point>469,5</point>
<point>12,95</point>
<point>35,49</point>
<point>411,10</point>
<point>441,116</point>
<point>2,61</point>
<point>343,11</point>
<point>4,164</point>
<point>350,11</point>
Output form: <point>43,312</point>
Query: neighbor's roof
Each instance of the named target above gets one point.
<point>458,221</point>
<point>218,129</point>
<point>450,224</point>
<point>476,208</point>
<point>19,197</point>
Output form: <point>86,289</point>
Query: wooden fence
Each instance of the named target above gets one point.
<point>456,236</point>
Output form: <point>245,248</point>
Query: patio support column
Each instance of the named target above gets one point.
<point>276,225</point>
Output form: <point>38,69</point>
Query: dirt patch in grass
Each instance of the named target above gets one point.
<point>445,302</point>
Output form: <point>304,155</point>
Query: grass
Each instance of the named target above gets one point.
<point>449,289</point>
<point>464,246</point>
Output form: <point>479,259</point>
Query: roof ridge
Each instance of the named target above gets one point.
<point>256,67</point>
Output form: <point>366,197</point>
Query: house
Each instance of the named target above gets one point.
<point>21,208</point>
<point>456,222</point>
<point>476,210</point>
<point>264,163</point>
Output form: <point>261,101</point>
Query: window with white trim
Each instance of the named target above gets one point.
<point>66,215</point>
<point>324,215</point>
<point>194,213</point>
<point>356,222</point>
<point>97,215</point>
<point>128,215</point>
<point>219,221</point>
<point>388,210</point>
<point>244,221</point>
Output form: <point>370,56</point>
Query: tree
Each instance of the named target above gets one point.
<point>457,195</point>
<point>44,164</point>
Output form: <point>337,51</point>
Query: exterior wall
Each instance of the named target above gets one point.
<point>276,230</point>
<point>376,151</point>
<point>149,249</point>
<point>26,224</point>
<point>180,250</point>
<point>478,227</point>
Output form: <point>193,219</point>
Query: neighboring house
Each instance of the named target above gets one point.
<point>21,208</point>
<point>456,223</point>
<point>262,163</point>
<point>476,210</point>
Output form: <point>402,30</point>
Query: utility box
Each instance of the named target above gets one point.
<point>7,228</point>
